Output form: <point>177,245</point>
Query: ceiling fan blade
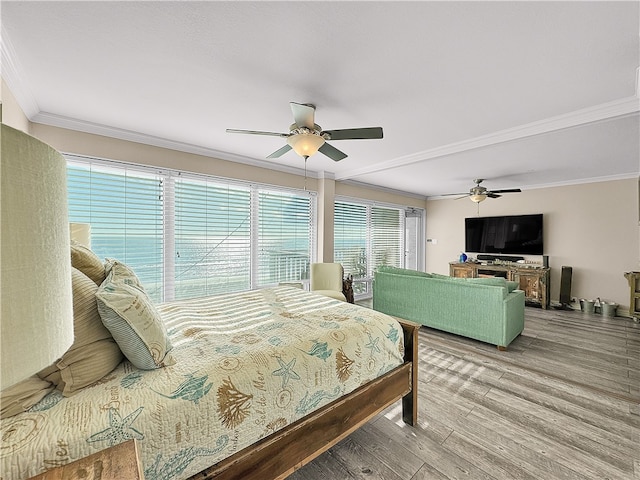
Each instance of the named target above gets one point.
<point>332,152</point>
<point>355,133</point>
<point>452,194</point>
<point>254,132</point>
<point>280,151</point>
<point>303,115</point>
<point>508,190</point>
<point>492,195</point>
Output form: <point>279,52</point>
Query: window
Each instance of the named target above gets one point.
<point>125,210</point>
<point>212,238</point>
<point>190,235</point>
<point>366,236</point>
<point>285,226</point>
<point>350,245</point>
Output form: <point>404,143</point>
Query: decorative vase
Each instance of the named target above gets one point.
<point>463,257</point>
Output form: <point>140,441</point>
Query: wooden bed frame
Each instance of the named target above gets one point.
<point>283,452</point>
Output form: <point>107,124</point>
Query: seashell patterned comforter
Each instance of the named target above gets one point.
<point>248,364</point>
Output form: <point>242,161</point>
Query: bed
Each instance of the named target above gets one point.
<point>263,382</point>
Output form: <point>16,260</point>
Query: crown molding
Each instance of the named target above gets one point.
<point>582,181</point>
<point>605,111</point>
<point>132,136</point>
<point>11,74</point>
<point>323,174</point>
<point>568,183</point>
<point>371,186</point>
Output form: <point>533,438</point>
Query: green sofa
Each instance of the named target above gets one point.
<point>487,309</point>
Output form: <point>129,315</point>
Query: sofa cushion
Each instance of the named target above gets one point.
<point>511,286</point>
<point>492,282</point>
<point>441,276</point>
<point>402,271</point>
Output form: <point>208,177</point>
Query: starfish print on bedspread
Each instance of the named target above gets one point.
<point>373,344</point>
<point>120,429</point>
<point>286,371</point>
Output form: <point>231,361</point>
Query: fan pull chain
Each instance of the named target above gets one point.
<point>305,172</point>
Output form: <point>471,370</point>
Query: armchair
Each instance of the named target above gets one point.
<point>326,279</point>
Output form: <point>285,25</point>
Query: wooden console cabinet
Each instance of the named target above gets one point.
<point>533,280</point>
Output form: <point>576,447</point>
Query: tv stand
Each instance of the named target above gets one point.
<point>532,279</point>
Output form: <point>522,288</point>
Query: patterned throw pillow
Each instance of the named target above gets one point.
<point>132,319</point>
<point>87,262</point>
<point>94,353</point>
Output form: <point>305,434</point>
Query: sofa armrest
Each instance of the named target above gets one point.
<point>513,315</point>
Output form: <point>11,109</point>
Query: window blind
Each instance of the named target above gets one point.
<point>212,238</point>
<point>284,237</point>
<point>367,236</point>
<point>350,238</point>
<point>125,210</point>
<point>188,235</point>
<point>387,237</point>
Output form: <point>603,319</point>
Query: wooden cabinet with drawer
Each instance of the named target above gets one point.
<point>533,280</point>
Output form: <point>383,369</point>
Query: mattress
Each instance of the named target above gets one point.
<point>248,364</point>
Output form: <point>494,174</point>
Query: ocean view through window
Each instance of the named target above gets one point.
<point>188,235</point>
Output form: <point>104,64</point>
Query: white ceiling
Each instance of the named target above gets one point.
<point>523,94</point>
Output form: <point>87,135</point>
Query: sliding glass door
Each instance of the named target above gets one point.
<point>368,235</point>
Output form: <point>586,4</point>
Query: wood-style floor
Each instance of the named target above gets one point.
<point>561,403</point>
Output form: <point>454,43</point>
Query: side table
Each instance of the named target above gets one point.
<point>114,463</point>
<point>634,288</point>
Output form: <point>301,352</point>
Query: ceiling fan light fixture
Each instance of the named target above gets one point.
<point>477,198</point>
<point>305,143</point>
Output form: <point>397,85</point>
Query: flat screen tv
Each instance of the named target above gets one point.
<point>512,234</point>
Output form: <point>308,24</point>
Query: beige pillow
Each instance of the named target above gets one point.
<point>22,396</point>
<point>94,353</point>
<point>132,319</point>
<point>87,262</point>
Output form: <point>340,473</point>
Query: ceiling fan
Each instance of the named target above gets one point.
<point>306,137</point>
<point>478,193</point>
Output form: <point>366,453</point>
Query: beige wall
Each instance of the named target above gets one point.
<point>12,114</point>
<point>590,227</point>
